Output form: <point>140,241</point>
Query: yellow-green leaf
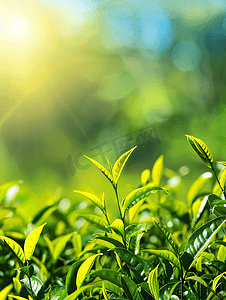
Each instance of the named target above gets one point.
<point>196,278</point>
<point>153,283</point>
<point>201,149</point>
<point>157,171</point>
<point>31,242</point>
<point>92,198</point>
<point>4,293</point>
<point>197,185</point>
<point>118,226</point>
<point>145,177</point>
<point>101,168</point>
<point>216,280</point>
<point>84,269</point>
<point>119,165</point>
<point>14,247</point>
<point>165,254</point>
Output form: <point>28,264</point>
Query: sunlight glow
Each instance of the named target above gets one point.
<point>20,29</point>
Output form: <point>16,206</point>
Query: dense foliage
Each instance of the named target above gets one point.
<point>159,247</point>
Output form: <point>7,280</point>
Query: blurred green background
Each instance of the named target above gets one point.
<point>99,77</point>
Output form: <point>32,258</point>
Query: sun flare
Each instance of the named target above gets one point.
<point>20,29</point>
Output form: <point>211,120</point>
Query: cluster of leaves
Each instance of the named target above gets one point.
<point>82,255</point>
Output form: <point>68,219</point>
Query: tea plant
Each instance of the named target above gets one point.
<point>159,247</point>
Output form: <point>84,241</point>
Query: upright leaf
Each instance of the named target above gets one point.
<point>31,242</point>
<point>101,168</point>
<point>119,165</point>
<point>196,187</point>
<point>84,269</point>
<point>168,236</point>
<point>153,283</point>
<point>200,238</point>
<point>59,244</point>
<point>145,177</point>
<point>201,149</point>
<point>14,247</point>
<point>137,195</point>
<point>130,288</point>
<point>4,292</point>
<point>139,266</point>
<point>157,171</point>
<point>118,227</point>
<point>92,198</point>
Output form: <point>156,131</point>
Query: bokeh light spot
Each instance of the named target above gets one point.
<point>186,55</point>
<point>19,28</point>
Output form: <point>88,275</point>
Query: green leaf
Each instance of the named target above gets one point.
<point>71,276</point>
<point>108,274</point>
<point>96,221</point>
<point>34,286</point>
<point>145,177</point>
<point>101,168</point>
<point>168,236</point>
<point>84,269</point>
<point>4,293</point>
<point>16,297</point>
<point>157,171</point>
<point>43,214</point>
<point>201,238</point>
<point>118,227</point>
<point>112,241</point>
<point>196,187</point>
<point>130,288</point>
<point>198,279</point>
<point>165,254</point>
<point>201,149</point>
<point>27,270</point>
<point>223,179</point>
<point>119,165</point>
<point>74,296</point>
<point>139,266</point>
<point>92,198</point>
<point>14,247</point>
<point>134,241</point>
<point>216,280</point>
<point>153,283</point>
<point>175,207</point>
<point>138,195</point>
<point>59,244</point>
<point>31,242</point>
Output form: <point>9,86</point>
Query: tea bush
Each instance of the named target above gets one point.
<point>159,247</point>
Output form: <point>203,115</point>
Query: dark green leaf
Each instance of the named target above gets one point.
<point>28,270</point>
<point>165,254</point>
<point>201,238</point>
<point>36,288</point>
<point>71,277</point>
<point>186,260</point>
<point>139,266</point>
<point>169,237</point>
<point>130,288</point>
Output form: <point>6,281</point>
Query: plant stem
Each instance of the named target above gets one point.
<point>218,181</point>
<point>117,199</point>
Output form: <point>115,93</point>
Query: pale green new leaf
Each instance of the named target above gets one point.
<point>153,283</point>
<point>59,244</point>
<point>84,269</point>
<point>216,280</point>
<point>157,171</point>
<point>201,149</point>
<point>96,221</point>
<point>31,241</point>
<point>92,198</point>
<point>118,226</point>
<point>14,247</point>
<point>101,168</point>
<point>119,165</point>
<point>196,278</point>
<point>137,195</point>
<point>165,254</point>
<point>4,293</point>
<point>196,187</point>
<point>145,177</point>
